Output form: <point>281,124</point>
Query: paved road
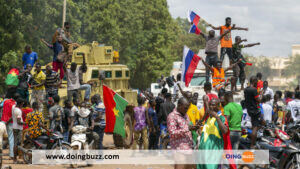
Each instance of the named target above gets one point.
<point>108,142</point>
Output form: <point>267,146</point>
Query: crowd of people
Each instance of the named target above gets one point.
<point>23,113</point>
<point>177,114</point>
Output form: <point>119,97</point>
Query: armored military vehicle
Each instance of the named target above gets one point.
<point>99,60</point>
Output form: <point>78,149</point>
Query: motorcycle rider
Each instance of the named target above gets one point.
<point>85,118</point>
<point>35,122</point>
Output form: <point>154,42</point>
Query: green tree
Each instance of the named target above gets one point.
<point>262,65</point>
<point>292,66</point>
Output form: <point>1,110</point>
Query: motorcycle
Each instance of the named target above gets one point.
<point>283,153</point>
<point>49,141</point>
<point>79,141</point>
<point>293,130</point>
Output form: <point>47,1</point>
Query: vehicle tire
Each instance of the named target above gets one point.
<point>27,157</point>
<point>128,130</point>
<point>118,140</point>
<point>292,164</point>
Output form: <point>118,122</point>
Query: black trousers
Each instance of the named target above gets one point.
<point>211,61</point>
<point>227,51</point>
<point>153,140</point>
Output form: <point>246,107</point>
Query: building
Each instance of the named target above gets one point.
<point>295,50</point>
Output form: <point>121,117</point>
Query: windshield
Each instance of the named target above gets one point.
<point>197,80</point>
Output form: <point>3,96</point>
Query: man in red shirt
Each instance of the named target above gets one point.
<point>7,118</point>
<point>260,83</point>
<point>226,41</point>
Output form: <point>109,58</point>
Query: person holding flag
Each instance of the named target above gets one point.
<point>114,107</point>
<point>211,48</point>
<point>226,41</point>
<point>239,70</point>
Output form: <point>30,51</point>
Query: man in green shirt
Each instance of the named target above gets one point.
<point>233,112</point>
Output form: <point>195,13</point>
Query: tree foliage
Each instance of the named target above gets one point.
<point>262,65</point>
<point>143,31</point>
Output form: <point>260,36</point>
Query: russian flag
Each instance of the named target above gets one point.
<point>193,17</point>
<point>194,29</point>
<point>189,64</point>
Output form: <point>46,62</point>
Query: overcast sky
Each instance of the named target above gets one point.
<point>274,23</point>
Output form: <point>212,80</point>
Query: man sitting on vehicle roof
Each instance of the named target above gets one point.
<point>218,74</point>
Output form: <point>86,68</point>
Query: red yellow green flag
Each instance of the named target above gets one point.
<point>114,107</point>
<point>12,77</point>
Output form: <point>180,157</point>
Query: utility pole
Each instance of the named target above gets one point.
<point>64,13</point>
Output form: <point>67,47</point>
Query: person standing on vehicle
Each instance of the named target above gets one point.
<point>38,88</point>
<point>252,100</point>
<point>294,107</point>
<point>226,41</point>
<point>140,121</point>
<point>56,115</point>
<point>58,50</point>
<point>211,48</point>
<point>67,118</point>
<point>17,126</point>
<point>29,57</point>
<point>179,131</point>
<point>52,82</point>
<point>25,80</point>
<point>239,70</point>
<point>73,80</point>
<point>233,112</point>
<point>99,118</point>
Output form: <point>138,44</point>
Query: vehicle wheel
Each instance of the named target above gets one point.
<point>292,164</point>
<point>118,140</point>
<point>27,157</point>
<point>128,130</point>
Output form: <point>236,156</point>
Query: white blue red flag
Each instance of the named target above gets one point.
<point>193,17</point>
<point>189,64</point>
<point>194,29</point>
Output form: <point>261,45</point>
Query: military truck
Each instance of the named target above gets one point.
<point>99,59</point>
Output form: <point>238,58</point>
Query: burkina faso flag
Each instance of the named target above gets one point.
<point>12,77</point>
<point>114,107</point>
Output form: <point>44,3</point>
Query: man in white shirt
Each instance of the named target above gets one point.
<point>267,90</point>
<point>176,88</point>
<point>17,126</point>
<point>267,109</point>
<point>294,107</point>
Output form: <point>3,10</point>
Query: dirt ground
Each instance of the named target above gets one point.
<point>108,142</point>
